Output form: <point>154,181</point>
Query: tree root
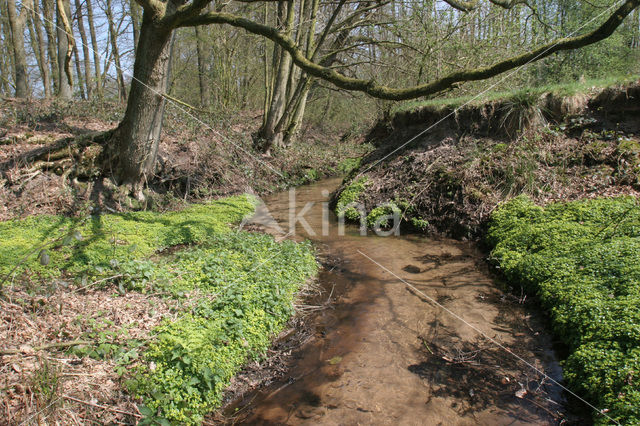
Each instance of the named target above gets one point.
<point>61,149</point>
<point>76,156</point>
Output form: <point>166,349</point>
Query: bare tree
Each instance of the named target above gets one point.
<point>85,48</point>
<point>39,48</point>
<point>17,23</point>
<point>48,8</point>
<point>65,49</point>
<point>95,48</point>
<point>113,37</point>
<point>202,69</point>
<point>134,11</point>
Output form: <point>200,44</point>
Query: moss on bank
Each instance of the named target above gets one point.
<point>581,260</point>
<point>235,289</point>
<point>561,90</point>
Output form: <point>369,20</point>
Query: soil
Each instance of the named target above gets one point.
<point>455,173</point>
<point>44,386</point>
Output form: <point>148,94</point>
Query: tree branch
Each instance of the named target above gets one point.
<point>468,6</point>
<point>383,92</point>
<point>155,7</point>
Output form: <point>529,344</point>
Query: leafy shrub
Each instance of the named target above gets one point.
<point>375,216</point>
<point>311,175</point>
<point>420,223</point>
<point>581,259</point>
<point>348,165</point>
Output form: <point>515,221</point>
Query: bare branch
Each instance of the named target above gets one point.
<point>467,6</point>
<point>383,92</point>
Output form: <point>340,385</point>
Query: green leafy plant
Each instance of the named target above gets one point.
<point>348,165</point>
<point>380,215</point>
<point>249,282</point>
<point>581,260</point>
<point>349,196</point>
<point>107,240</point>
<point>240,288</point>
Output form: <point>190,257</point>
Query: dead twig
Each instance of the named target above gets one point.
<point>104,407</point>
<point>97,282</point>
<point>57,345</point>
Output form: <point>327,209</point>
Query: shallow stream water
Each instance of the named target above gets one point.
<point>381,353</point>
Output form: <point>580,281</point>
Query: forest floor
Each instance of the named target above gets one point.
<point>71,343</point>
<point>200,158</point>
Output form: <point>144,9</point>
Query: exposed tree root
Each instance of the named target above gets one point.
<point>64,148</point>
<point>75,156</point>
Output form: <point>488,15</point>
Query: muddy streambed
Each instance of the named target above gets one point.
<point>382,354</point>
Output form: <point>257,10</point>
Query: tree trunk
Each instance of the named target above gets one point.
<point>65,89</point>
<point>267,137</point>
<point>7,54</point>
<point>293,130</point>
<point>47,10</point>
<point>95,47</point>
<point>6,87</point>
<point>202,69</point>
<point>113,36</point>
<point>16,23</point>
<point>40,50</point>
<point>79,72</point>
<point>134,152</point>
<point>85,48</point>
<point>134,11</point>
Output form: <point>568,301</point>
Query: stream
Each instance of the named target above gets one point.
<point>382,353</point>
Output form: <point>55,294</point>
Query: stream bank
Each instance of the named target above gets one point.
<point>380,353</point>
<point>447,166</point>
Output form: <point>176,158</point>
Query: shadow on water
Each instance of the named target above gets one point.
<point>382,354</point>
